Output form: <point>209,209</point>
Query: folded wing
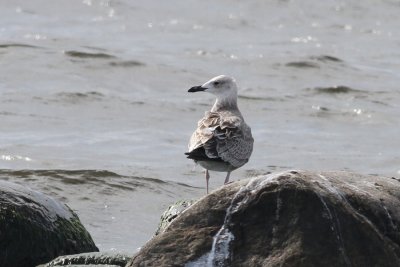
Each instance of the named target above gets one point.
<point>221,137</point>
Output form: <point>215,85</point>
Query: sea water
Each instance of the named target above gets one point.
<point>94,108</point>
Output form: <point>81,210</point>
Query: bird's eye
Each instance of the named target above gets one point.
<point>216,83</point>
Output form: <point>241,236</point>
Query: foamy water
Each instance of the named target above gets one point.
<point>102,85</point>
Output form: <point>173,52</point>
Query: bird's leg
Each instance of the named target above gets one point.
<point>227,178</point>
<point>207,178</point>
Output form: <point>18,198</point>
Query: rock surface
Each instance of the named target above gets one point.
<point>293,218</point>
<point>100,259</point>
<point>35,228</point>
<point>172,212</point>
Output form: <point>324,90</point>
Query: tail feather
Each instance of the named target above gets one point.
<point>199,154</point>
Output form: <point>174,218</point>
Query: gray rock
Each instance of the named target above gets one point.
<point>293,218</point>
<point>101,259</point>
<point>35,228</point>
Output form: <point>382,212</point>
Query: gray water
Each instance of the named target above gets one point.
<point>94,108</point>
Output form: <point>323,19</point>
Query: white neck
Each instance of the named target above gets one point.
<point>225,102</point>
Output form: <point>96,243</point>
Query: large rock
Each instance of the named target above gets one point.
<point>35,228</point>
<point>294,218</point>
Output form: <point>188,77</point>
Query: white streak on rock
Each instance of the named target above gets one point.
<point>220,254</point>
<point>200,262</point>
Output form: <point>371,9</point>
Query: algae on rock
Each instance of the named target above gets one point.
<point>35,228</point>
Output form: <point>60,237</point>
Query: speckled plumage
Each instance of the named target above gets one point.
<point>223,135</point>
<point>222,140</point>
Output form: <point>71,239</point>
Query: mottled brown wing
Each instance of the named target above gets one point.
<point>236,145</point>
<point>205,130</point>
<point>222,137</point>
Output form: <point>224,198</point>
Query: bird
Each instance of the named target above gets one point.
<point>222,140</point>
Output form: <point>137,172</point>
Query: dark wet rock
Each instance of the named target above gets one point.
<point>302,64</point>
<point>172,212</point>
<point>100,259</point>
<point>293,218</point>
<point>35,228</point>
<point>81,54</point>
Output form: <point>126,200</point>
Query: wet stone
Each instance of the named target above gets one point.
<point>172,212</point>
<point>292,218</point>
<point>35,228</point>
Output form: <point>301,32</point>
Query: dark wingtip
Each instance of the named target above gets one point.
<point>187,154</point>
<point>196,89</point>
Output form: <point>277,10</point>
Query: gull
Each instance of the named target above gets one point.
<point>222,141</point>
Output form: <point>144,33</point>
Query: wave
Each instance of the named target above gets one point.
<point>302,64</point>
<point>102,178</point>
<point>313,61</point>
<point>79,95</point>
<point>126,63</point>
<point>81,54</point>
<point>340,89</point>
<point>17,45</point>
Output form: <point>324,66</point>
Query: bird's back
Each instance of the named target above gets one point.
<point>222,136</point>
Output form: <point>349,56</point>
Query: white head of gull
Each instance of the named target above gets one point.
<point>222,141</point>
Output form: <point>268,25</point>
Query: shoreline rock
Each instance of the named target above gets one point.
<point>293,218</point>
<point>34,228</point>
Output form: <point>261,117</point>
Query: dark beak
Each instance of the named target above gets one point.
<point>196,89</point>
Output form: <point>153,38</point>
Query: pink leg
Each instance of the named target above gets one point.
<point>207,178</point>
<point>227,178</point>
